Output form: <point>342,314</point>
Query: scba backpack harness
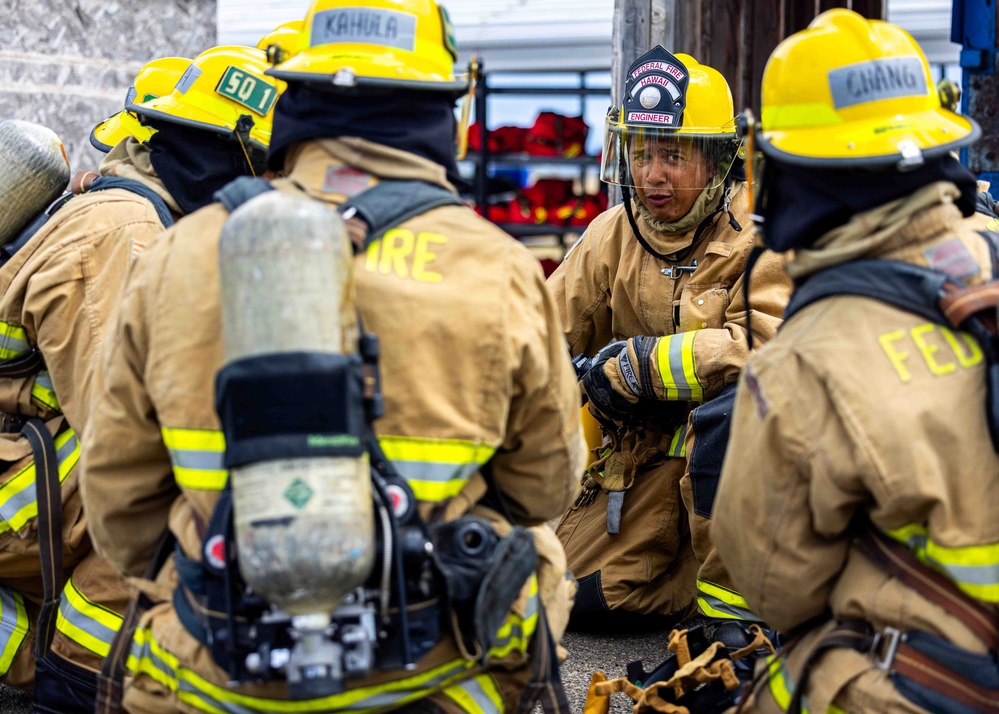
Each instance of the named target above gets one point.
<point>424,572</point>
<point>927,670</point>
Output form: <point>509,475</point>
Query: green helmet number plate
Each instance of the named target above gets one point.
<point>244,88</point>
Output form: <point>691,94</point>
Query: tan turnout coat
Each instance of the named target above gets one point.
<point>861,408</point>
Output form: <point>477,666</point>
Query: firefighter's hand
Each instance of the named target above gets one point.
<point>608,395</point>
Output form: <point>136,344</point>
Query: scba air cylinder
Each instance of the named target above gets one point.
<point>34,170</point>
<point>289,398</point>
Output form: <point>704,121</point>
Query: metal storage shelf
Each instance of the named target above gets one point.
<point>526,230</point>
<point>484,159</point>
<point>519,159</point>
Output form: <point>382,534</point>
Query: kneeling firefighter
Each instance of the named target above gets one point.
<point>319,557</point>
<point>61,277</point>
<point>652,295</point>
<point>863,508</point>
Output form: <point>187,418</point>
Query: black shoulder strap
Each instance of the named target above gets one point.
<point>240,190</point>
<point>389,203</point>
<point>905,286</point>
<point>28,232</point>
<point>103,183</point>
<point>992,241</point>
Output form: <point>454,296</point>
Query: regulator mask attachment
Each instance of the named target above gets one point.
<point>674,129</point>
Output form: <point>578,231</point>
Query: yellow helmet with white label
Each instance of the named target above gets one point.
<point>849,92</point>
<point>376,43</point>
<point>224,90</point>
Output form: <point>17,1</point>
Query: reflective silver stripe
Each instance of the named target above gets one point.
<point>90,626</point>
<point>712,607</point>
<point>13,627</point>
<point>29,494</point>
<point>220,699</point>
<point>15,345</point>
<point>433,471</point>
<point>473,687</point>
<point>683,389</point>
<point>532,607</point>
<point>679,442</point>
<point>983,575</point>
<point>198,460</point>
<point>45,379</point>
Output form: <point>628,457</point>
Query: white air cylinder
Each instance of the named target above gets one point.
<point>304,527</point>
<point>34,170</point>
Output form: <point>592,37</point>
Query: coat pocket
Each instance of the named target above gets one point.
<point>702,306</point>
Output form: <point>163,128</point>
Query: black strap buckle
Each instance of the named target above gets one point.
<point>11,423</point>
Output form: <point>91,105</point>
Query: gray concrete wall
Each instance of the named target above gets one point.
<point>68,63</point>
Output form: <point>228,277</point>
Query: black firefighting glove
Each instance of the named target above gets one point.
<point>608,398</point>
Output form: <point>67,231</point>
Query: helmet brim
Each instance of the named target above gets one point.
<point>169,110</point>
<point>392,73</point>
<point>113,130</point>
<point>871,143</point>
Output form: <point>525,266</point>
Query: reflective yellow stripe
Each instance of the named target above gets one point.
<point>13,627</point>
<point>716,601</point>
<point>19,496</point>
<point>436,469</point>
<point>478,695</point>
<point>974,568</point>
<point>197,457</point>
<point>516,632</point>
<point>150,659</point>
<point>677,369</point>
<point>782,687</point>
<point>41,391</point>
<point>786,116</point>
<point>678,446</point>
<point>90,625</point>
<point>13,341</point>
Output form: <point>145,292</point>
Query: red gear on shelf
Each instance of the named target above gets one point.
<point>580,210</point>
<point>556,134</point>
<point>503,140</point>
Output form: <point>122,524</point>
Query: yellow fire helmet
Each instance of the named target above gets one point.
<point>155,79</point>
<point>675,110</point>
<point>224,90</point>
<point>852,92</point>
<point>402,44</point>
<point>282,42</point>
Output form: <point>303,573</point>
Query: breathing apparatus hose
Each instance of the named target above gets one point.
<point>396,555</point>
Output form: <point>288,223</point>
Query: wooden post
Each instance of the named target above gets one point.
<point>733,36</point>
<point>639,25</point>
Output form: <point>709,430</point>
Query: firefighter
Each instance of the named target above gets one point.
<point>477,385</point>
<point>858,506</point>
<point>61,280</point>
<point>654,290</point>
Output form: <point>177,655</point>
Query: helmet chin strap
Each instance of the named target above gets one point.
<point>723,207</point>
<point>626,195</point>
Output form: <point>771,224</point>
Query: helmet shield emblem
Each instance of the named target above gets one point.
<point>656,90</point>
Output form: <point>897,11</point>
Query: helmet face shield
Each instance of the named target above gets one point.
<point>689,159</point>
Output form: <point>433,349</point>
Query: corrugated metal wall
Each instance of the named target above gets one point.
<point>68,63</point>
